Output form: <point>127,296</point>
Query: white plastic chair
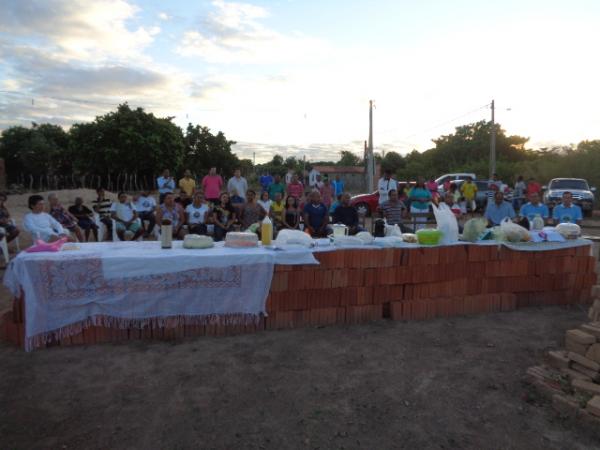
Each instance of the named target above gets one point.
<point>4,248</point>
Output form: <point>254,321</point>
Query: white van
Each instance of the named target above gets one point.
<point>452,177</point>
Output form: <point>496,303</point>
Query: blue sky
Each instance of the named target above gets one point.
<point>295,77</point>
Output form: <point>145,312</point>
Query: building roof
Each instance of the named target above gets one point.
<point>340,169</point>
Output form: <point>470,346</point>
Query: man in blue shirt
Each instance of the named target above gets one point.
<point>265,181</point>
<point>498,210</point>
<point>534,207</point>
<point>165,184</point>
<point>338,185</point>
<point>316,215</point>
<point>567,212</point>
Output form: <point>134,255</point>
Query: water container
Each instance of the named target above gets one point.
<point>266,231</point>
<point>537,223</point>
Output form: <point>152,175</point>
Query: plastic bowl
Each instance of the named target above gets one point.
<point>429,236</point>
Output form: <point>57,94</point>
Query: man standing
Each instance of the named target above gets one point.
<point>237,184</point>
<point>288,176</point>
<point>312,178</point>
<point>567,212</point>
<point>533,186</point>
<point>346,214</point>
<point>519,194</point>
<point>316,215</point>
<point>265,181</point>
<point>187,185</point>
<point>165,183</point>
<point>338,185</point>
<point>533,208</point>
<point>469,192</point>
<point>276,187</point>
<point>212,185</point>
<point>498,210</point>
<point>385,185</point>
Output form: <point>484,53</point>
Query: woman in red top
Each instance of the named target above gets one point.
<point>295,188</point>
<point>327,193</point>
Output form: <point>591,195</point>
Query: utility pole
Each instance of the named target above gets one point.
<point>493,144</point>
<point>370,165</point>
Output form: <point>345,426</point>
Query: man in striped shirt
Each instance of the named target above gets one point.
<point>102,207</point>
<point>393,210</point>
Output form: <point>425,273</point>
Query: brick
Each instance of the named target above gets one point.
<point>322,279</point>
<point>593,406</point>
<point>279,282</point>
<point>558,359</point>
<point>576,347</point>
<point>508,302</point>
<point>586,386</point>
<point>580,359</point>
<point>340,278</point>
<point>593,374</point>
<point>194,330</point>
<point>356,277</point>
<point>365,313</point>
<point>324,316</point>
<point>321,298</point>
<point>593,353</point>
<point>580,337</point>
<point>564,405</point>
<point>574,375</point>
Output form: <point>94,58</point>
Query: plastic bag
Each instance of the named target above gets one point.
<point>446,223</point>
<point>291,237</point>
<point>393,230</point>
<point>513,232</point>
<point>474,229</point>
<point>365,236</point>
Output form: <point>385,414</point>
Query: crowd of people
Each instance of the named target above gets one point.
<point>212,206</point>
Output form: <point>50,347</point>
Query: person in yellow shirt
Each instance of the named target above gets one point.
<point>187,185</point>
<point>469,192</point>
<point>277,210</point>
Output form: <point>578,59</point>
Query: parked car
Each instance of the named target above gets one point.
<point>368,203</point>
<point>452,177</point>
<point>583,194</point>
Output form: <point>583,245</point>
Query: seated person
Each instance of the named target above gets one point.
<point>125,216</point>
<point>347,215</point>
<point>394,210</point>
<point>316,216</point>
<point>84,218</point>
<point>251,211</point>
<point>62,216</point>
<point>238,204</point>
<point>145,205</point>
<point>196,214</point>
<point>533,208</point>
<point>451,203</point>
<point>8,228</point>
<point>277,211</point>
<point>498,210</point>
<point>42,225</point>
<point>172,212</point>
<point>224,216</point>
<point>102,206</point>
<point>291,217</point>
<point>265,204</point>
<point>567,212</point>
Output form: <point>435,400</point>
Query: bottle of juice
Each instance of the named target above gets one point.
<point>266,231</point>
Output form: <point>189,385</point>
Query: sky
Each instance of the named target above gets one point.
<point>295,77</point>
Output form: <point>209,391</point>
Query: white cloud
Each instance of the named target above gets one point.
<point>164,16</point>
<point>234,34</point>
<point>79,29</point>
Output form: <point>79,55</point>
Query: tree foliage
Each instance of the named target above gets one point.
<point>348,158</point>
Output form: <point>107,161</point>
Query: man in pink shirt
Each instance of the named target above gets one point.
<point>211,185</point>
<point>295,188</point>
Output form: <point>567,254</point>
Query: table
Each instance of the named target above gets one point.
<point>111,292</point>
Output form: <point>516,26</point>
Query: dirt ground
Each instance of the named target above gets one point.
<point>438,384</point>
<point>431,385</point>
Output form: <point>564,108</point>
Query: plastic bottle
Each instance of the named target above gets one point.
<point>266,231</point>
<point>537,223</point>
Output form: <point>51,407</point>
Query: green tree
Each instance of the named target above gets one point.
<point>348,158</point>
<point>127,141</point>
<point>204,150</point>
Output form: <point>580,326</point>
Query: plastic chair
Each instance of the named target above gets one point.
<point>4,248</point>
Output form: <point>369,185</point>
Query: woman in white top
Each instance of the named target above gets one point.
<point>42,225</point>
<point>265,204</point>
<point>196,214</point>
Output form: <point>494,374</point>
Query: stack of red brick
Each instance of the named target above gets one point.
<point>354,286</point>
<point>571,377</point>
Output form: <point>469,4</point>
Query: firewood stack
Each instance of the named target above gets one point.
<point>572,376</point>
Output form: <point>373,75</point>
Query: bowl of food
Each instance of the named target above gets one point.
<point>429,236</point>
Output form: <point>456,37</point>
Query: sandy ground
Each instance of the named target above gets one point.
<point>424,385</point>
